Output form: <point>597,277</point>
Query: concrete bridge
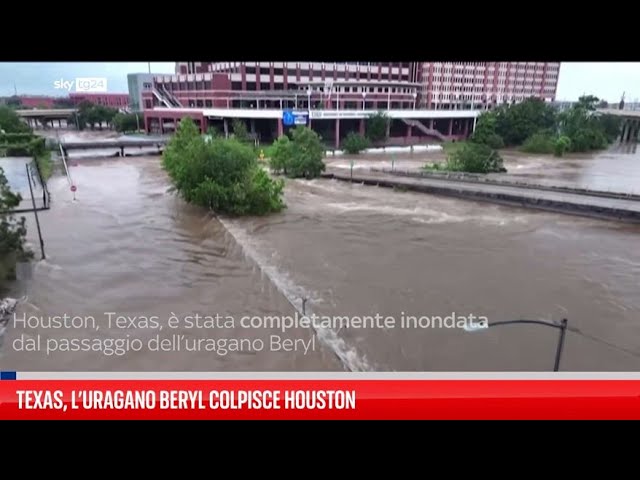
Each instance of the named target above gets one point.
<point>630,130</point>
<point>116,144</point>
<point>44,116</point>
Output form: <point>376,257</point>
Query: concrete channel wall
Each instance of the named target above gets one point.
<point>560,202</point>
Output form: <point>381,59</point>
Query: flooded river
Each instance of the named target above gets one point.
<point>128,245</point>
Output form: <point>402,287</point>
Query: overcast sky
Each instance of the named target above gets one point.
<point>605,80</point>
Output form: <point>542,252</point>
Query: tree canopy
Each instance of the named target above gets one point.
<point>537,127</point>
<point>220,174</point>
<point>12,232</point>
<point>300,157</point>
<point>10,122</point>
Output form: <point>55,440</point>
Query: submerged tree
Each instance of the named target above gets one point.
<point>220,174</point>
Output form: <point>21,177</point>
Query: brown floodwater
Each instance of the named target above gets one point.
<point>129,246</point>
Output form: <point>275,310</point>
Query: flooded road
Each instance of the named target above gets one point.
<point>127,245</point>
<point>614,170</point>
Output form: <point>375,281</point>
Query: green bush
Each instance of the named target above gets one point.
<point>240,131</point>
<point>561,145</point>
<point>128,122</point>
<point>539,143</point>
<point>10,122</point>
<point>15,138</point>
<point>354,143</point>
<point>12,232</point>
<point>475,158</point>
<point>377,127</point>
<point>306,154</point>
<point>280,154</point>
<point>220,174</point>
<point>300,157</point>
<point>493,140</point>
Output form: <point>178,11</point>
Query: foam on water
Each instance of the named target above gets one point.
<point>294,293</point>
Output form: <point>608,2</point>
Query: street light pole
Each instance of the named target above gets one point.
<point>562,326</point>
<point>364,95</point>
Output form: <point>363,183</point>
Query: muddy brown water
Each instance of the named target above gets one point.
<point>129,246</point>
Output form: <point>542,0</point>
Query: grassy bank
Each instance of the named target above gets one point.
<point>45,164</point>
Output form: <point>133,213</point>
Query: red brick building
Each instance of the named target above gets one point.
<point>423,99</point>
<point>112,100</point>
<point>36,101</point>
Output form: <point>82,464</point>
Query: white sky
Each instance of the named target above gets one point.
<point>605,80</point>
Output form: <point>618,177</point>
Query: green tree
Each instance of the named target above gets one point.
<point>475,158</point>
<point>127,122</point>
<point>539,143</point>
<point>354,143</point>
<point>220,174</point>
<point>515,123</point>
<point>280,155</point>
<point>240,131</point>
<point>307,154</point>
<point>376,127</point>
<point>10,122</point>
<point>588,102</point>
<point>610,125</point>
<point>12,232</point>
<point>561,145</point>
<point>14,101</point>
<point>582,127</point>
<point>485,131</point>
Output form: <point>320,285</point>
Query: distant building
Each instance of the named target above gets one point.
<point>112,100</point>
<point>454,85</point>
<point>138,83</point>
<point>36,101</point>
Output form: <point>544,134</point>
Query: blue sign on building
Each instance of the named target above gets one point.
<point>290,118</point>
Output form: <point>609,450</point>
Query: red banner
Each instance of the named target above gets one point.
<point>320,399</point>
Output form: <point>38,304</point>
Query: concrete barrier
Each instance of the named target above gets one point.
<point>629,212</point>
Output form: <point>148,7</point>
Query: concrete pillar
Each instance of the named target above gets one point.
<point>252,124</point>
<point>146,124</point>
<point>409,127</point>
<point>450,126</point>
<point>204,124</point>
<point>431,123</point>
<point>628,131</point>
<point>362,127</point>
<point>337,143</point>
<point>280,128</point>
<point>161,123</point>
<point>225,124</point>
<point>466,128</point>
<point>389,128</point>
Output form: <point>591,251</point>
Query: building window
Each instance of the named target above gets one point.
<point>250,70</point>
<point>208,103</point>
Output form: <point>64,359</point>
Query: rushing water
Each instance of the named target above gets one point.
<point>128,245</point>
